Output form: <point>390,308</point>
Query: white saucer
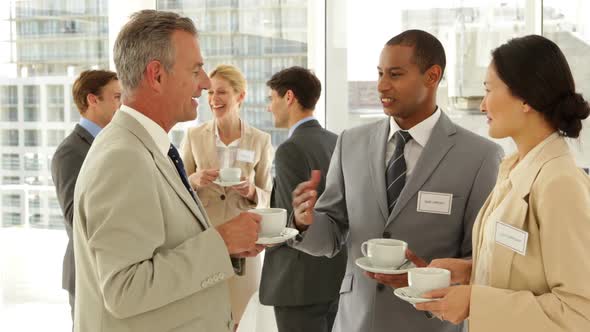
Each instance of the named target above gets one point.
<point>411,295</point>
<point>365,264</point>
<point>227,183</point>
<point>286,234</point>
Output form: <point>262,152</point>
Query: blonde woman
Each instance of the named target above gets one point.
<point>227,141</point>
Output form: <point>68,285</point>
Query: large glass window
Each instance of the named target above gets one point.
<point>55,103</point>
<point>259,36</point>
<point>468,30</point>
<point>566,23</point>
<point>54,137</point>
<point>8,103</point>
<point>9,137</point>
<point>10,161</point>
<point>32,137</point>
<point>31,103</point>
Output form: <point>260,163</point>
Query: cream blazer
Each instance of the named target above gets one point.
<point>198,151</point>
<point>548,288</point>
<point>147,258</point>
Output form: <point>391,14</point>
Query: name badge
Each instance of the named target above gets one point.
<point>245,156</point>
<point>511,237</point>
<point>430,202</point>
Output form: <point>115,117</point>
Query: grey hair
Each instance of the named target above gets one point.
<point>147,37</point>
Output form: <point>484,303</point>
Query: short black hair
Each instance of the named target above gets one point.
<point>535,70</point>
<point>305,85</point>
<point>428,50</point>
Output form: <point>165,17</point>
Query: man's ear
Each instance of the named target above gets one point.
<point>154,72</point>
<point>433,75</point>
<point>91,99</point>
<point>290,97</point>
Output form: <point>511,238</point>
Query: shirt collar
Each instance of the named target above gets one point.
<point>90,126</point>
<point>218,138</point>
<point>157,133</point>
<point>299,123</point>
<point>420,132</point>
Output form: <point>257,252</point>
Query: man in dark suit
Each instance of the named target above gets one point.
<point>302,288</point>
<point>97,94</point>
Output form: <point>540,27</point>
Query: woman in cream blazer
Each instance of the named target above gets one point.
<point>227,141</point>
<point>531,239</point>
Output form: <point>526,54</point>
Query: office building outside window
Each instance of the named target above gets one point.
<point>260,37</point>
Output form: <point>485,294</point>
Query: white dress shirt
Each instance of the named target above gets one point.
<point>413,149</point>
<point>227,154</point>
<point>157,133</point>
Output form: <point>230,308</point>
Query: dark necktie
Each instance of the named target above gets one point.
<point>177,161</point>
<point>395,174</point>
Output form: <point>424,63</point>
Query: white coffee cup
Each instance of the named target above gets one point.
<point>273,221</point>
<point>425,279</point>
<point>230,174</point>
<point>385,253</point>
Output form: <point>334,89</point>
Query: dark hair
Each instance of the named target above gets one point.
<point>90,81</point>
<point>428,51</point>
<point>535,70</point>
<point>305,85</point>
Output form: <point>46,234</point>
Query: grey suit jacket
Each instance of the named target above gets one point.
<point>65,166</point>
<point>147,258</point>
<point>353,209</point>
<point>291,277</point>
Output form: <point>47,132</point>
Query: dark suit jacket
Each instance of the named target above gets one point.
<point>65,166</point>
<point>289,276</point>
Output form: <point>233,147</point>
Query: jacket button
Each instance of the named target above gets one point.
<point>380,287</point>
<point>222,197</point>
<point>386,235</point>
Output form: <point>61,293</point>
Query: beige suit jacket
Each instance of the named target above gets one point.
<point>147,258</point>
<point>198,152</point>
<point>547,289</point>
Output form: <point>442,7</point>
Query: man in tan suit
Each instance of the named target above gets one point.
<point>147,258</point>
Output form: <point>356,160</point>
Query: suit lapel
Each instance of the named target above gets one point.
<point>378,140</point>
<point>171,175</point>
<point>477,232</point>
<point>163,164</point>
<point>439,143</point>
<point>514,211</point>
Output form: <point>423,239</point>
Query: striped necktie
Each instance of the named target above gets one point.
<point>395,174</point>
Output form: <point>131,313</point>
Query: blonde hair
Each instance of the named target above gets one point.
<point>231,74</point>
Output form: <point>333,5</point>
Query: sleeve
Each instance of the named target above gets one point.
<point>138,270</point>
<point>65,167</point>
<point>482,186</point>
<point>327,235</point>
<point>262,174</point>
<point>562,213</point>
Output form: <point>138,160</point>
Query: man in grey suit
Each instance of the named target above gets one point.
<point>97,94</point>
<point>302,288</point>
<point>415,176</point>
<point>147,257</point>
